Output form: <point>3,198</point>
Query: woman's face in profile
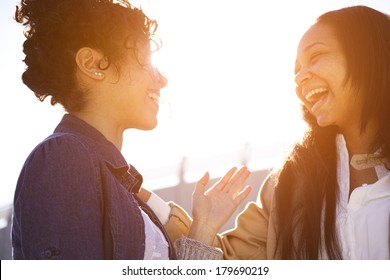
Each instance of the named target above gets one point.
<point>134,90</point>
<point>320,71</point>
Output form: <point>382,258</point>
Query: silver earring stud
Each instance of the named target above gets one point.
<point>99,74</point>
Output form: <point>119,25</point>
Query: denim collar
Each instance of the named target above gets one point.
<point>126,173</point>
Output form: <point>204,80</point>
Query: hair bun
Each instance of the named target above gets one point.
<point>35,14</point>
<point>56,29</point>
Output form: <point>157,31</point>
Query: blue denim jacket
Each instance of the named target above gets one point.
<point>75,199</point>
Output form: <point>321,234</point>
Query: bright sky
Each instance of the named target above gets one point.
<point>230,70</point>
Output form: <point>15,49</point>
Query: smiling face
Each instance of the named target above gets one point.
<point>321,70</point>
<point>133,87</point>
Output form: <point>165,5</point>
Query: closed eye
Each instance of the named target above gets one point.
<point>314,57</point>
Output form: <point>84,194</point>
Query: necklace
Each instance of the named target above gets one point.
<point>365,161</point>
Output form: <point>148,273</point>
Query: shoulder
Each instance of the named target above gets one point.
<point>60,155</point>
<point>61,167</point>
<point>61,147</point>
<point>267,190</point>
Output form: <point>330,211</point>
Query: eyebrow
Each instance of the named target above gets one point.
<point>312,45</point>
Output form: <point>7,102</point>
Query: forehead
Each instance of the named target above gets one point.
<point>318,35</point>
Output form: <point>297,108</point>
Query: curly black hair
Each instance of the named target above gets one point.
<point>56,29</point>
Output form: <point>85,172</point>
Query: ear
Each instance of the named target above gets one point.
<point>88,61</point>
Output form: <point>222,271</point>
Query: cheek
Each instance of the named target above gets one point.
<point>337,72</point>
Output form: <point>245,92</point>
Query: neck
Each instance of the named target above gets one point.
<point>105,126</point>
<point>360,142</point>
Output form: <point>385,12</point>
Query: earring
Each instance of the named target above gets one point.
<point>99,74</point>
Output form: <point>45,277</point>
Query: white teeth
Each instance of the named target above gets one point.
<point>310,94</point>
<point>154,96</point>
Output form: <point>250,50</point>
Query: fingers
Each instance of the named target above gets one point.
<point>242,195</point>
<point>231,182</point>
<point>225,179</point>
<point>237,181</point>
<point>201,184</point>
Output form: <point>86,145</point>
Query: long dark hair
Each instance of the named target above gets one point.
<point>57,29</point>
<point>306,191</point>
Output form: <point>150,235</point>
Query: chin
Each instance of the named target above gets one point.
<point>323,123</point>
<point>148,126</point>
<point>323,119</point>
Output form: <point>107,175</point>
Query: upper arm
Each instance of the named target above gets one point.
<point>57,204</point>
<point>266,192</point>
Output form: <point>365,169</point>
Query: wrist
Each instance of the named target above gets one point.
<point>202,232</point>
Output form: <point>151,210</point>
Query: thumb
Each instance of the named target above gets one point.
<point>201,184</point>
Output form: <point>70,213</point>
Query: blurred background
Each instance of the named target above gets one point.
<point>230,100</point>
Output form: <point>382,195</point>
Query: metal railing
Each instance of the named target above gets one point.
<point>5,232</point>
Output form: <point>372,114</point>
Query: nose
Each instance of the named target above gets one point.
<point>160,80</point>
<point>302,76</point>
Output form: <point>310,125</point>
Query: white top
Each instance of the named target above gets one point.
<point>363,219</point>
<point>156,246</point>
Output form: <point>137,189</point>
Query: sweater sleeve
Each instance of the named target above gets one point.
<point>190,249</point>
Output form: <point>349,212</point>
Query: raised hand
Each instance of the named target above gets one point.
<point>212,208</point>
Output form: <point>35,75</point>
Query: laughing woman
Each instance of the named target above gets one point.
<point>331,197</point>
<point>76,197</point>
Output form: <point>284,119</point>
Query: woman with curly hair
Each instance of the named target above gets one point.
<point>76,197</point>
<point>330,199</point>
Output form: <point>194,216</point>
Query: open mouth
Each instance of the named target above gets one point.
<point>315,95</point>
<point>155,97</point>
